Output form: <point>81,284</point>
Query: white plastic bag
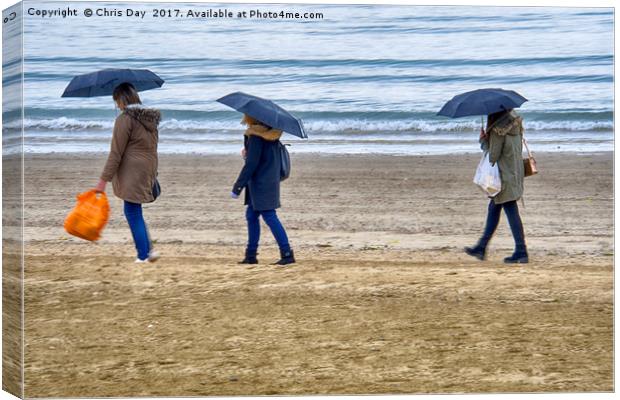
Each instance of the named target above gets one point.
<point>487,177</point>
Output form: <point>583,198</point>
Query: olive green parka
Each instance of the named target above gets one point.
<point>505,147</point>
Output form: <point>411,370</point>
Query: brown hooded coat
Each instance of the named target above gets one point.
<point>132,162</point>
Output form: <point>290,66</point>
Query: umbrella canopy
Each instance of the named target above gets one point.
<point>481,102</point>
<point>103,83</point>
<point>266,111</point>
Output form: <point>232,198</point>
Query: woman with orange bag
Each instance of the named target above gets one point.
<point>132,164</point>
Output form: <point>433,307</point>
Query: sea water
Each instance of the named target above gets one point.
<point>364,78</point>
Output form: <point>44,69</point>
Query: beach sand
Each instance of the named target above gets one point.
<point>382,299</point>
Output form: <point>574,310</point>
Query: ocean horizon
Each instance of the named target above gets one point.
<point>364,79</point>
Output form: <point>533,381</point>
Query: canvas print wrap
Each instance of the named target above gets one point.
<point>278,199</point>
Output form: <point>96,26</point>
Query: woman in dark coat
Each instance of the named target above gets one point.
<point>260,177</point>
<point>503,140</point>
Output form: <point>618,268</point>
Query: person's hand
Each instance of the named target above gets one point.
<point>483,134</point>
<point>100,186</point>
<point>244,154</point>
<point>234,195</point>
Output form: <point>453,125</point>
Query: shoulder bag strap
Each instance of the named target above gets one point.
<point>529,153</point>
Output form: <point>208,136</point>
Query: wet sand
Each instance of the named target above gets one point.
<point>382,299</point>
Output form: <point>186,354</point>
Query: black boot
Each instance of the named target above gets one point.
<point>250,258</point>
<point>479,250</point>
<point>286,257</point>
<point>518,257</point>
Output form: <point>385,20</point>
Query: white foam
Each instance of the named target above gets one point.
<point>342,125</point>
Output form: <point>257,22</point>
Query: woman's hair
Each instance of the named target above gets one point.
<point>126,94</point>
<point>247,120</point>
<point>492,118</point>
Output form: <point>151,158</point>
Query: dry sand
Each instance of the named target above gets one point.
<point>382,299</point>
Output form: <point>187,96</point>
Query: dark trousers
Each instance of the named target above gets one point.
<point>514,220</point>
<point>271,219</point>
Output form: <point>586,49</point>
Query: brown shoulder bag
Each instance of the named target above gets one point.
<point>529,163</point>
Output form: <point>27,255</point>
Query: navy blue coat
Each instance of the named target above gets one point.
<point>260,175</point>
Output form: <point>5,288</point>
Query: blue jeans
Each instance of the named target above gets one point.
<point>133,213</point>
<point>514,220</point>
<point>271,219</point>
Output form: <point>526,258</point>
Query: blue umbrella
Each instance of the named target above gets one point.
<point>481,102</point>
<point>266,111</point>
<point>103,83</point>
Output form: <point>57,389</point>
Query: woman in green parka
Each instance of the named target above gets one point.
<point>503,140</point>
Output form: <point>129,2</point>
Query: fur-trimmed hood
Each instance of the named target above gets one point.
<point>149,117</point>
<point>508,124</point>
<point>264,132</point>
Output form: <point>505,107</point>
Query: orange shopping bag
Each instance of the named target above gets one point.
<point>89,216</point>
